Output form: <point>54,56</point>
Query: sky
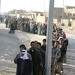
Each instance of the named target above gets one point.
<point>37,5</point>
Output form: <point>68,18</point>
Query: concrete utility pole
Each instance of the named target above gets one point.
<point>0,6</point>
<point>49,38</point>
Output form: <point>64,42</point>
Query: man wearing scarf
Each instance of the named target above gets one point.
<point>24,64</point>
<point>18,55</point>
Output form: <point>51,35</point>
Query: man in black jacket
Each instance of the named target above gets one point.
<point>24,64</point>
<point>36,57</point>
<point>41,69</point>
<point>44,45</point>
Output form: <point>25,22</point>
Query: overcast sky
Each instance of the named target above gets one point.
<point>38,5</point>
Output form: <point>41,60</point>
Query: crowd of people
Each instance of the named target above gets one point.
<point>35,55</point>
<point>32,27</point>
<point>60,43</point>
<point>27,25</point>
<point>32,61</point>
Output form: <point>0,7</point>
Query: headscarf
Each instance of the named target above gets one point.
<point>25,56</point>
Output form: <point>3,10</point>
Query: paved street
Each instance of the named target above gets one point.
<point>9,47</point>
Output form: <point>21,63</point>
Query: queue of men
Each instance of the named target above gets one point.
<point>60,43</point>
<point>32,27</point>
<point>36,53</point>
<point>32,61</point>
<point>25,24</point>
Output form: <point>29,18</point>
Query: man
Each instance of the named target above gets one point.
<point>44,45</point>
<point>12,27</point>
<point>18,55</point>
<point>66,43</point>
<point>24,64</point>
<point>6,22</point>
<point>63,52</point>
<point>56,53</point>
<point>41,69</point>
<point>36,57</point>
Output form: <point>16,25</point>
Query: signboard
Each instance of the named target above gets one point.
<point>40,19</point>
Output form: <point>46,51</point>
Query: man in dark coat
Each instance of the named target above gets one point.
<point>6,22</point>
<point>24,67</point>
<point>24,64</point>
<point>18,55</point>
<point>36,57</point>
<point>12,27</point>
<point>41,69</point>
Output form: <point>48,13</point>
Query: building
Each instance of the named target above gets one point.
<point>66,14</point>
<point>67,11</point>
